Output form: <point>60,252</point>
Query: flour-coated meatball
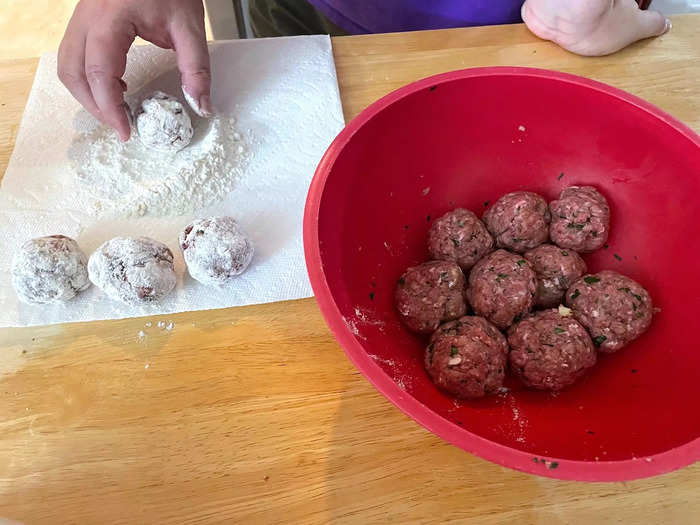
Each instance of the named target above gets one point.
<point>134,270</point>
<point>216,250</point>
<point>49,269</point>
<point>162,122</point>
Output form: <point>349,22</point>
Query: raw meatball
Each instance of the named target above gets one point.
<point>502,288</point>
<point>518,221</point>
<point>555,269</point>
<point>614,308</point>
<point>429,294</point>
<point>163,123</point>
<point>580,219</point>
<point>459,236</point>
<point>550,350</point>
<point>468,358</point>
<point>134,270</point>
<point>216,250</point>
<point>49,269</point>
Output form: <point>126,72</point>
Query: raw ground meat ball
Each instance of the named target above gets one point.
<point>467,358</point>
<point>49,269</point>
<point>216,250</point>
<point>162,122</point>
<point>459,236</point>
<point>580,219</point>
<point>429,294</point>
<point>555,269</point>
<point>518,221</point>
<point>550,351</point>
<point>502,288</point>
<point>134,270</point>
<point>614,308</point>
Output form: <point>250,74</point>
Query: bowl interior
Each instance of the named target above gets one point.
<point>465,141</point>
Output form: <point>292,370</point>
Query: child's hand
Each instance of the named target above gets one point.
<point>592,27</point>
<point>92,55</point>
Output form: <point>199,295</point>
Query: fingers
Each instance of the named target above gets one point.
<point>71,67</point>
<point>190,44</point>
<point>105,63</point>
<point>594,27</point>
<point>627,24</point>
<point>650,23</point>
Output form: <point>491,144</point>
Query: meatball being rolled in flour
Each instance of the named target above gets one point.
<point>163,123</point>
<point>216,250</point>
<point>49,269</point>
<point>134,270</point>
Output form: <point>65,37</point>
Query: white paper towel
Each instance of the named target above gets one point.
<point>284,95</point>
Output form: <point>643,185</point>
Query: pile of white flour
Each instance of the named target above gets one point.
<point>131,179</point>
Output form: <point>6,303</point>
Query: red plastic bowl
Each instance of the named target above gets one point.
<point>464,138</point>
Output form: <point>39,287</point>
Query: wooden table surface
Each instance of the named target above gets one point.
<point>254,415</point>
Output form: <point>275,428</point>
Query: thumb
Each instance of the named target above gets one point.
<point>650,23</point>
<point>190,44</point>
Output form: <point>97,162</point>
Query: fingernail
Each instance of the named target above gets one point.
<point>668,27</point>
<point>205,106</point>
<point>129,115</point>
<point>201,107</point>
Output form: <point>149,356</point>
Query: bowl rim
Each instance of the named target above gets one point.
<point>553,467</point>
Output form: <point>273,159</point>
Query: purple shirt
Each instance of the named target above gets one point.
<point>387,16</point>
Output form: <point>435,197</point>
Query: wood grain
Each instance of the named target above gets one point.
<point>254,414</point>
<point>31,28</point>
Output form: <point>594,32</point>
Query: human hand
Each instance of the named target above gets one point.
<point>592,27</point>
<point>92,54</point>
